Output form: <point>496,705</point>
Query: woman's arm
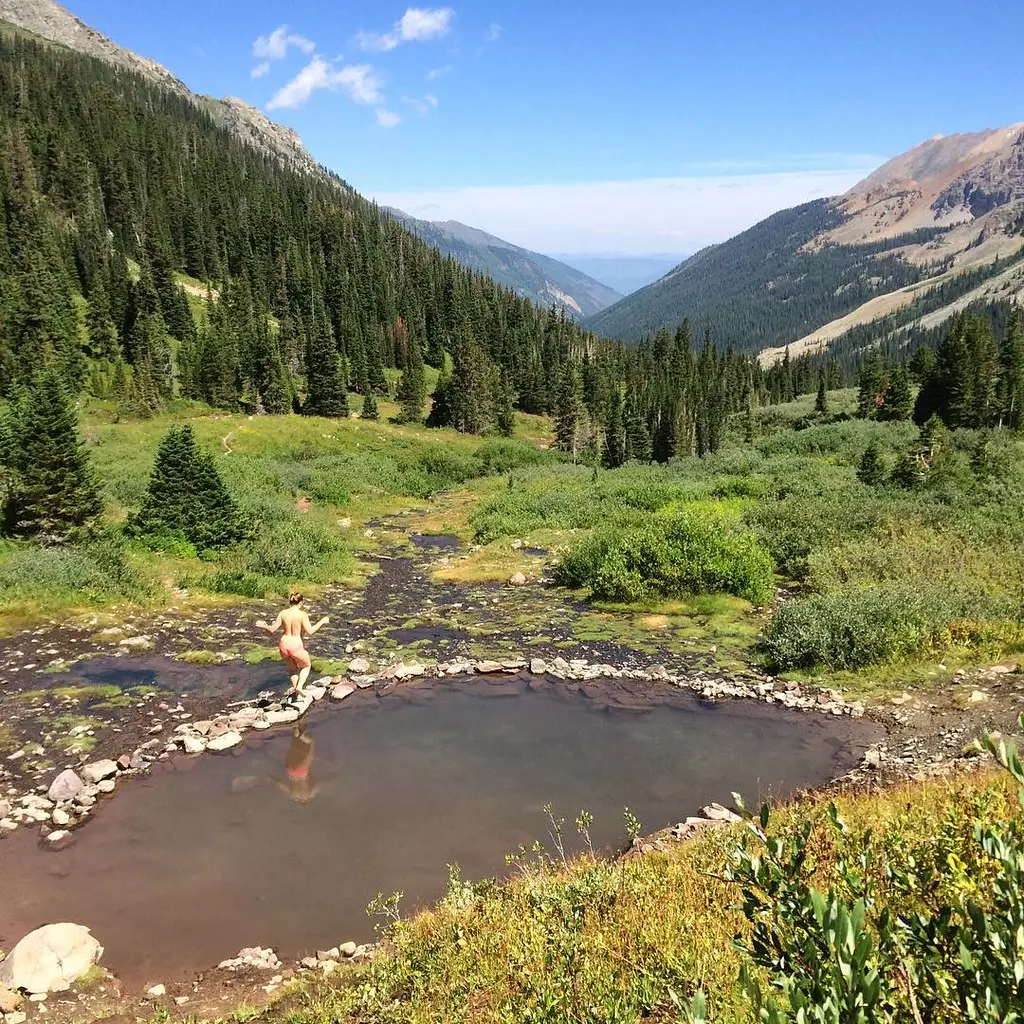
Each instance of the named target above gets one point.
<point>311,628</point>
<point>270,627</point>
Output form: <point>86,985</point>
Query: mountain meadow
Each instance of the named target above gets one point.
<point>226,377</point>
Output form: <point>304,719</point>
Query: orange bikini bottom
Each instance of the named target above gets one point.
<point>291,648</point>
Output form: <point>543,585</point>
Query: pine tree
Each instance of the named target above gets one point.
<point>569,411</point>
<point>821,401</point>
<point>981,457</point>
<point>326,384</point>
<point>1011,374</point>
<point>53,495</point>
<point>614,433</point>
<point>412,388</point>
<point>504,413</point>
<point>897,400</point>
<point>871,469</point>
<point>370,411</point>
<point>186,496</point>
<point>870,385</point>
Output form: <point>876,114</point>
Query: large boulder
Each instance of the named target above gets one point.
<point>99,770</point>
<point>65,786</point>
<point>50,959</point>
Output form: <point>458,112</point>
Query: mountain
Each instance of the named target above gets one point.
<point>625,274</point>
<point>939,222</point>
<point>540,278</point>
<point>49,20</point>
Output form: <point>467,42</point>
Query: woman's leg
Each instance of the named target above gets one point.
<point>293,672</point>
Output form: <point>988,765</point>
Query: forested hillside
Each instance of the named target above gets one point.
<point>763,287</point>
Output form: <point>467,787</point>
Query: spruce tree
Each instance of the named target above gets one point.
<point>1011,374</point>
<point>871,469</point>
<point>326,386</point>
<point>412,388</point>
<point>370,410</point>
<point>897,400</point>
<point>186,496</point>
<point>504,413</point>
<point>821,401</point>
<point>870,385</point>
<point>569,411</point>
<point>53,495</point>
<point>614,433</point>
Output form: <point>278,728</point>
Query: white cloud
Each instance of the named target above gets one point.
<point>493,33</point>
<point>422,105</point>
<point>435,73</point>
<point>276,45</point>
<point>387,118</point>
<point>358,81</point>
<point>417,25</point>
<point>261,69</point>
<point>638,217</point>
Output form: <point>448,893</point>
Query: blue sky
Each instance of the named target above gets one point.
<point>611,126</point>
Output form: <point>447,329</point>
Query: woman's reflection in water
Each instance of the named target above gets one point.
<point>298,764</point>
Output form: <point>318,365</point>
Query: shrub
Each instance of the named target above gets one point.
<point>682,551</point>
<point>872,626</point>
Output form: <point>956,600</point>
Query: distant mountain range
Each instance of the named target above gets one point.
<point>625,274</point>
<point>929,231</point>
<point>540,278</point>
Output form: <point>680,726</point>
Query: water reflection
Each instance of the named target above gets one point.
<point>298,766</point>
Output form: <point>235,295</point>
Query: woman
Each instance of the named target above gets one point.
<point>293,620</point>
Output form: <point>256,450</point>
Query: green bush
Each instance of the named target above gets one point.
<point>875,626</point>
<point>683,551</point>
<point>96,571</point>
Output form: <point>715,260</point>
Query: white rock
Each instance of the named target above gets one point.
<point>136,641</point>
<point>65,786</point>
<point>517,579</point>
<point>57,835</point>
<point>316,692</point>
<point>977,697</point>
<point>347,949</point>
<point>342,690</point>
<point>99,770</point>
<point>156,991</point>
<point>716,812</point>
<point>50,958</point>
<point>225,741</point>
<point>403,671</point>
<point>360,666</point>
<point>60,817</point>
<point>18,1017</point>
<point>106,785</point>
<point>538,666</point>
<point>282,717</point>
<point>194,745</point>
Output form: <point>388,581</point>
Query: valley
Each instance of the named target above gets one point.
<point>665,652</point>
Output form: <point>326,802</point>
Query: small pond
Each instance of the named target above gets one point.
<point>285,840</point>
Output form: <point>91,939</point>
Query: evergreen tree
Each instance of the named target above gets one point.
<point>412,389</point>
<point>186,496</point>
<point>326,383</point>
<point>52,494</point>
<point>569,413</point>
<point>1011,374</point>
<point>504,413</point>
<point>821,401</point>
<point>870,386</point>
<point>897,400</point>
<point>871,469</point>
<point>614,433</point>
<point>370,411</point>
<point>981,457</point>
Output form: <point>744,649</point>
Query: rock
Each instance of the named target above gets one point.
<point>517,579</point>
<point>316,692</point>
<point>347,949</point>
<point>50,958</point>
<point>282,717</point>
<point>538,666</point>
<point>35,802</point>
<point>99,770</point>
<point>345,524</point>
<point>342,690</point>
<point>138,642</point>
<point>487,667</point>
<point>977,697</point>
<point>194,745</point>
<point>1003,670</point>
<point>57,835</point>
<point>60,817</point>
<point>16,1018</point>
<point>328,954</point>
<point>243,783</point>
<point>106,786</point>
<point>364,682</point>
<point>716,812</point>
<point>9,1001</point>
<point>403,671</point>
<point>360,666</point>
<point>5,808</point>
<point>156,991</point>
<point>65,786</point>
<point>180,1000</point>
<point>124,762</point>
<point>872,759</point>
<point>517,544</point>
<point>225,741</point>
